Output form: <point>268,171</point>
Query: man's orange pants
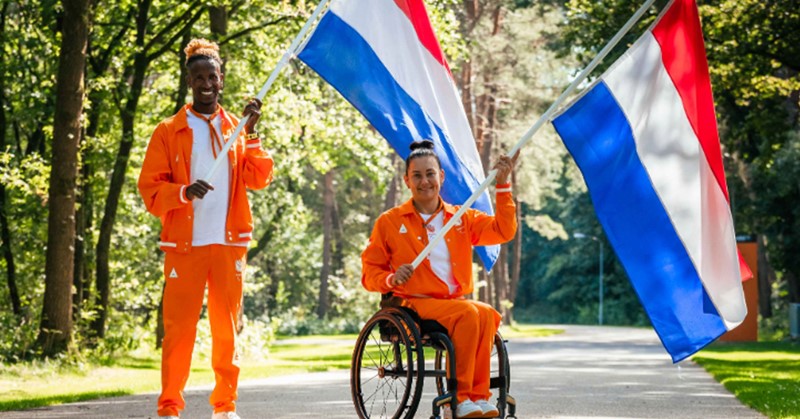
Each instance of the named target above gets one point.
<point>471,326</point>
<point>222,267</point>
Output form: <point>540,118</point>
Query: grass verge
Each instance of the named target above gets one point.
<point>44,383</point>
<point>762,375</point>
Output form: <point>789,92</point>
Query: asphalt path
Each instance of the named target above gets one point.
<point>586,372</point>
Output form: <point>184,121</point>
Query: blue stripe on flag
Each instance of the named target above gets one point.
<point>347,62</point>
<point>600,139</point>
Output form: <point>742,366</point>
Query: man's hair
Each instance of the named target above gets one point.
<point>199,49</point>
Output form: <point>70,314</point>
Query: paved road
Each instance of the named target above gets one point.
<point>586,372</point>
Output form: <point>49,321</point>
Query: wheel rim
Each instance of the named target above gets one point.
<point>382,379</point>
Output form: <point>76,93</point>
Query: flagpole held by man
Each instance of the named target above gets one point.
<point>206,226</point>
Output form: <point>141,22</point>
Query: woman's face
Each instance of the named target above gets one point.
<point>424,178</point>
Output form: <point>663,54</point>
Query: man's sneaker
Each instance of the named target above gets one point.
<point>489,410</point>
<point>225,415</point>
<point>468,409</point>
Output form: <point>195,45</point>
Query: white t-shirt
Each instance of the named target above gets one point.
<point>211,211</point>
<point>440,255</point>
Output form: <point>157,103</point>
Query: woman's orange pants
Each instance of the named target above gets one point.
<point>222,268</point>
<point>472,326</point>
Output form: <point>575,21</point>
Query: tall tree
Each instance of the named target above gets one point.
<point>5,233</point>
<point>56,324</point>
<point>328,197</point>
<point>101,51</point>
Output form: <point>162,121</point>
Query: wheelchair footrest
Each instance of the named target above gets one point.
<point>444,399</point>
<point>511,400</point>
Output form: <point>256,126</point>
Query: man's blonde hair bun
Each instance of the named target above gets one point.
<point>202,48</point>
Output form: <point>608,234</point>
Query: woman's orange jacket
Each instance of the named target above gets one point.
<point>399,236</point>
<point>166,172</point>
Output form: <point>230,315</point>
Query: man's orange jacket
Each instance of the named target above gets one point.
<point>166,172</point>
<point>399,236</point>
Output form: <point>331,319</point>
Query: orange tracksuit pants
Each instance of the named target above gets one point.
<point>472,326</point>
<point>222,268</point>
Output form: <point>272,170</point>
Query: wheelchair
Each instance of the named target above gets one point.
<point>388,367</point>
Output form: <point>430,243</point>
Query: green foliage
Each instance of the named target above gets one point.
<point>763,375</point>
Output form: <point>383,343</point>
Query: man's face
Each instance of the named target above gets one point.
<point>205,80</point>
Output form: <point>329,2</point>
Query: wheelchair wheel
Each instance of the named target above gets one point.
<point>500,374</point>
<point>501,371</point>
<point>386,372</point>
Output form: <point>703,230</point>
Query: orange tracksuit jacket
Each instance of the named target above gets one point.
<point>398,237</point>
<point>166,173</point>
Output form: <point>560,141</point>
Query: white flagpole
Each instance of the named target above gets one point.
<point>290,52</point>
<point>529,134</point>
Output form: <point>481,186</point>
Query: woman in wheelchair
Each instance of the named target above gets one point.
<point>437,288</point>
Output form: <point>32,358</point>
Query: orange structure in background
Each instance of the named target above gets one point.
<point>748,330</point>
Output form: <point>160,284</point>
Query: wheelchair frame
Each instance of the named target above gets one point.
<point>389,362</point>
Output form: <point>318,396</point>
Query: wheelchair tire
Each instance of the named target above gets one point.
<point>500,368</point>
<point>504,371</point>
<point>387,366</point>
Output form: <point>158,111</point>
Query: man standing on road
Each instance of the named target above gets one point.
<point>206,227</point>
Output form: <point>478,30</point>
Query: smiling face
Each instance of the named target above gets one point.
<point>424,179</point>
<point>205,80</point>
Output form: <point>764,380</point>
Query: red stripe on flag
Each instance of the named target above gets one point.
<point>679,34</point>
<point>415,11</point>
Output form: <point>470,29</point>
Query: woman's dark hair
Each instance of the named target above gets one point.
<point>422,148</point>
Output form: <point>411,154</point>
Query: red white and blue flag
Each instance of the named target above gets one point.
<point>384,58</point>
<point>645,137</point>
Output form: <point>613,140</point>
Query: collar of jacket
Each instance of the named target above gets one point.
<point>407,208</point>
<point>182,121</point>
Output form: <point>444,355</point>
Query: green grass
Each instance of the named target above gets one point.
<point>527,331</point>
<point>43,383</point>
<point>762,375</point>
<point>35,384</point>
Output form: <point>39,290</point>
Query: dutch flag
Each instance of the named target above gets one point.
<point>383,57</point>
<point>645,137</point>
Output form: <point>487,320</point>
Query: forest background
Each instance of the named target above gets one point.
<point>83,83</point>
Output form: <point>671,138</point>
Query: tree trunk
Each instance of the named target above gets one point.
<point>327,242</point>
<point>183,87</point>
<point>56,324</point>
<point>127,114</point>
<point>82,219</point>
<point>485,292</point>
<point>794,286</point>
<point>516,261</point>
<point>500,274</point>
<point>392,190</point>
<point>218,23</point>
<point>8,254</point>
<point>5,232</point>
<point>765,277</point>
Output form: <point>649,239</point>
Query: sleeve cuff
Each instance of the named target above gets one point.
<point>389,283</point>
<point>505,187</point>
<point>182,195</point>
<point>253,143</point>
